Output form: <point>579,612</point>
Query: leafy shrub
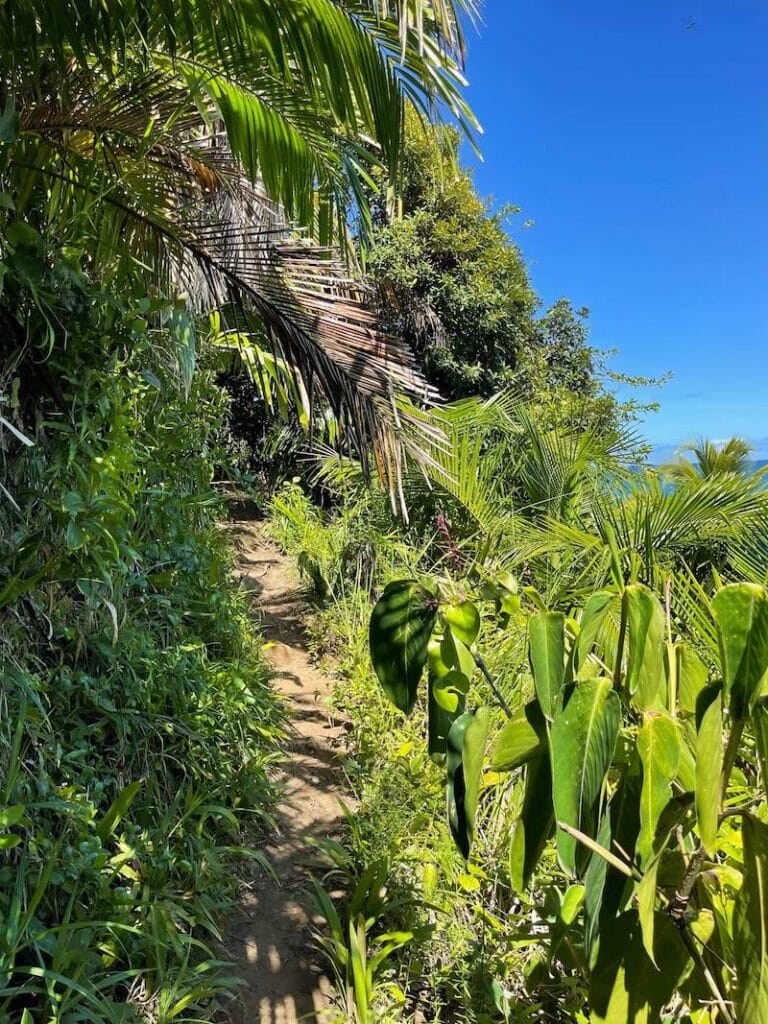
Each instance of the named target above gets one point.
<point>137,726</point>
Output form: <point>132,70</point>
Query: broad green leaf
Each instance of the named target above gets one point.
<point>645,644</point>
<point>646,906</point>
<point>546,631</point>
<point>625,987</point>
<point>582,741</point>
<point>450,690</point>
<point>658,745</point>
<point>750,926</point>
<point>592,618</point>
<point>608,890</point>
<point>521,738</point>
<point>594,887</point>
<point>437,667</point>
<point>709,764</point>
<point>446,704</point>
<point>692,675</point>
<point>572,903</point>
<point>464,621</point>
<point>686,772</point>
<point>741,614</point>
<point>466,750</point>
<point>455,654</point>
<point>117,810</point>
<point>401,625</point>
<point>535,824</point>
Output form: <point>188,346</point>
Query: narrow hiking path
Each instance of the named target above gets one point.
<point>269,938</point>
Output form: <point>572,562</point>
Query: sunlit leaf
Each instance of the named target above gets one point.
<point>741,613</point>
<point>658,744</point>
<point>582,741</point>
<point>546,631</point>
<point>709,764</point>
<point>645,649</point>
<point>750,925</point>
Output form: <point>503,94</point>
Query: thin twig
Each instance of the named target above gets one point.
<point>480,662</point>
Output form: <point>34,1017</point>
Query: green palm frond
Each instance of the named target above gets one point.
<point>187,138</point>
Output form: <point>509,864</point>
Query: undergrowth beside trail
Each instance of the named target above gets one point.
<point>471,954</point>
<point>137,726</point>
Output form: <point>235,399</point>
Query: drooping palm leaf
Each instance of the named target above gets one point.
<point>191,151</point>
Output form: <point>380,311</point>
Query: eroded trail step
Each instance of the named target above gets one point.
<point>270,940</point>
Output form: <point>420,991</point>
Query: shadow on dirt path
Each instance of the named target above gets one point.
<point>269,938</point>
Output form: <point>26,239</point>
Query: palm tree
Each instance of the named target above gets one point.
<point>191,138</point>
<point>710,458</point>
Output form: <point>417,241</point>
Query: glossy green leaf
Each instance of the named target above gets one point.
<point>450,690</point>
<point>466,750</point>
<point>520,739</point>
<point>446,704</point>
<point>595,878</point>
<point>658,745</point>
<point>546,632</point>
<point>750,926</point>
<point>692,676</point>
<point>464,621</point>
<point>608,890</point>
<point>592,618</point>
<point>582,741</point>
<point>646,906</point>
<point>645,625</point>
<point>535,824</point>
<point>400,629</point>
<point>686,771</point>
<point>709,764</point>
<point>741,614</point>
<point>455,654</point>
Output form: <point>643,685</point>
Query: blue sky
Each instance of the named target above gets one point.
<point>634,135</point>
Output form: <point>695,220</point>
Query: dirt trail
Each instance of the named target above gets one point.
<point>269,939</point>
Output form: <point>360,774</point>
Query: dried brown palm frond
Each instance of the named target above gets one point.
<point>152,180</point>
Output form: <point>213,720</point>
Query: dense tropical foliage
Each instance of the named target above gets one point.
<point>552,656</point>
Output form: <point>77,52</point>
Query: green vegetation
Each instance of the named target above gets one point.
<point>598,745</point>
<point>553,657</point>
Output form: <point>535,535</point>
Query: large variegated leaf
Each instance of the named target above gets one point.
<point>582,741</point>
<point>401,625</point>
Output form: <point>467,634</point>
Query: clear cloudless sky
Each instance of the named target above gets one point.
<point>634,134</point>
